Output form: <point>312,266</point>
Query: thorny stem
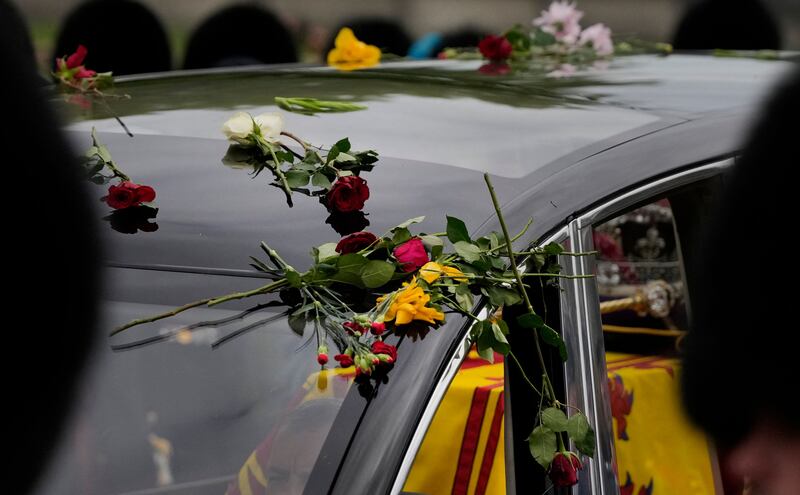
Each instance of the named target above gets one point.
<point>161,316</point>
<point>545,378</point>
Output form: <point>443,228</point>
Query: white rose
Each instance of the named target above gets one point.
<point>271,125</point>
<point>238,127</point>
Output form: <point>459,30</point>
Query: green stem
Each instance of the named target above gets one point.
<point>241,295</point>
<point>557,275</point>
<point>546,378</point>
<point>276,169</point>
<point>302,143</point>
<point>160,316</point>
<point>521,370</point>
<point>521,233</point>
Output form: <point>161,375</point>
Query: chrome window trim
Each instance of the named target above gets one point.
<point>581,325</point>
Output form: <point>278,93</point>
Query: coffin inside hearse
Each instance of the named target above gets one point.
<point>643,308</point>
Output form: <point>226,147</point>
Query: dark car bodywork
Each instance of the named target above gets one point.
<point>556,147</point>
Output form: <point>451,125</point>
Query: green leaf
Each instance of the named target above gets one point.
<point>344,157</point>
<point>319,180</point>
<point>297,178</point>
<point>408,222</point>
<point>293,278</point>
<point>581,433</point>
<point>487,354</point>
<point>325,252</point>
<point>376,273</point>
<point>464,297</point>
<point>431,241</point>
<point>349,269</point>
<point>303,309</point>
<point>502,296</point>
<point>400,236</point>
<point>553,249</point>
<point>298,324</point>
<point>542,443</point>
<point>551,337</point>
<point>343,145</point>
<point>436,252</point>
<point>554,419</point>
<point>470,252</point>
<point>457,230</point>
<point>530,320</point>
<point>498,333</point>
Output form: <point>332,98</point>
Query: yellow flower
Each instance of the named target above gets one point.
<point>410,304</point>
<point>431,271</point>
<point>350,53</point>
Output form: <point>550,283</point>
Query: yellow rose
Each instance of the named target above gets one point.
<point>350,53</point>
<point>431,271</point>
<point>410,304</point>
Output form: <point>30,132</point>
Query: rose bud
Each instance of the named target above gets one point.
<point>411,254</point>
<point>322,359</point>
<point>344,360</point>
<point>354,243</point>
<point>347,194</point>
<point>495,47</point>
<point>378,327</point>
<point>564,469</point>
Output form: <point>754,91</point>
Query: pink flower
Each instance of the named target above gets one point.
<point>411,254</point>
<point>561,20</point>
<point>598,36</point>
<point>77,58</point>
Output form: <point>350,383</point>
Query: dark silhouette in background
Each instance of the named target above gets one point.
<point>51,274</point>
<point>17,37</point>
<point>387,35</point>
<point>741,373</point>
<point>240,35</point>
<point>727,24</point>
<point>122,36</point>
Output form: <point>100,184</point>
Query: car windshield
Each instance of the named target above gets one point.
<point>212,401</point>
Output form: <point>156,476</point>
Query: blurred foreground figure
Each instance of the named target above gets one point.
<point>51,281</point>
<point>16,38</point>
<point>741,363</point>
<point>727,24</point>
<point>122,36</point>
<point>240,35</point>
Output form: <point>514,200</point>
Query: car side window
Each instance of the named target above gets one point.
<point>644,306</point>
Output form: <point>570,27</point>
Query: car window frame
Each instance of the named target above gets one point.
<point>581,325</point>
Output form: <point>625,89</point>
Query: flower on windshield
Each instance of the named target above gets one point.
<point>349,53</point>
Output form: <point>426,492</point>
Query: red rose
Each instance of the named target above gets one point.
<point>127,194</point>
<point>348,194</point>
<point>344,360</point>
<point>121,196</point>
<point>84,73</point>
<point>378,327</point>
<point>355,242</point>
<point>379,347</point>
<point>495,47</point>
<point>564,469</point>
<point>76,59</point>
<point>411,254</point>
<point>145,194</point>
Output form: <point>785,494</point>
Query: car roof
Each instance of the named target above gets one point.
<point>554,145</point>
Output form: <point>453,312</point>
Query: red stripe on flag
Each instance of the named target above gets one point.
<point>472,433</point>
<point>475,362</point>
<point>491,447</point>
